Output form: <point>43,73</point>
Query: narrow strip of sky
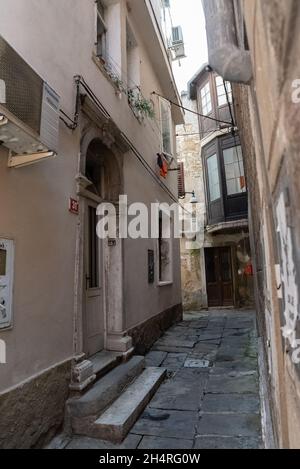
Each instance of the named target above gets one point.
<point>189,15</point>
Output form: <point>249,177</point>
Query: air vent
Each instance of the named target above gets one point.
<point>29,108</point>
<point>24,88</point>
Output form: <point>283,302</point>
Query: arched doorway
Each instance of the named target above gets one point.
<point>102,183</point>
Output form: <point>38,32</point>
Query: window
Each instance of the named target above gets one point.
<point>234,170</point>
<point>101,31</point>
<point>133,62</point>
<point>2,262</point>
<point>221,91</point>
<point>165,248</point>
<point>93,278</point>
<point>213,178</point>
<point>206,99</point>
<point>166,127</point>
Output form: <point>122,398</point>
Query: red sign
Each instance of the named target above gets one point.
<point>249,270</point>
<point>74,206</point>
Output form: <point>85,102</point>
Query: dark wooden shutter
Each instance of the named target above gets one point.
<point>181,183</point>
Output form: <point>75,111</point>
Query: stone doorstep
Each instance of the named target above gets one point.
<point>84,410</point>
<point>105,361</point>
<point>118,419</point>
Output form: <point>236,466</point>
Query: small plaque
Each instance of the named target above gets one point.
<point>74,206</point>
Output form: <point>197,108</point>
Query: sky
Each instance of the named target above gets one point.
<point>189,15</point>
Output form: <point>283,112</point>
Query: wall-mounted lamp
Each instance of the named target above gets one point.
<point>194,199</point>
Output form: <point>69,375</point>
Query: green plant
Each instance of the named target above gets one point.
<point>141,104</point>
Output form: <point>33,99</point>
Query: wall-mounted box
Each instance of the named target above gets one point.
<point>6,281</point>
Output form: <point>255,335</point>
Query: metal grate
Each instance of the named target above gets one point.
<point>24,88</point>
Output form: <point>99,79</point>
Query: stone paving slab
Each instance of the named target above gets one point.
<point>183,392</point>
<point>227,443</point>
<point>171,349</point>
<point>175,341</point>
<point>229,425</point>
<point>152,442</point>
<point>230,385</point>
<point>167,424</point>
<point>240,403</point>
<point>245,364</point>
<point>174,361</point>
<point>81,442</point>
<point>155,358</point>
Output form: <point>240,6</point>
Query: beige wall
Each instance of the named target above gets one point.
<point>34,199</point>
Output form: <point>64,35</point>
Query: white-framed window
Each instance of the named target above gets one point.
<point>221,92</point>
<point>234,170</point>
<point>213,178</point>
<point>101,42</point>
<point>206,99</point>
<point>166,126</point>
<point>165,246</point>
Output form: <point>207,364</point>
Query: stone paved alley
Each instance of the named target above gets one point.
<point>211,396</point>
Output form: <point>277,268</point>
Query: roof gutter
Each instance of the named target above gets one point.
<point>225,56</point>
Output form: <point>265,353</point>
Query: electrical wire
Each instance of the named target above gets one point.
<point>202,133</point>
<point>192,111</point>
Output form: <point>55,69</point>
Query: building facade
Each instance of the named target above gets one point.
<point>76,99</point>
<point>259,53</point>
<point>216,269</point>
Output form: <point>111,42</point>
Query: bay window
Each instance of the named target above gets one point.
<point>225,181</point>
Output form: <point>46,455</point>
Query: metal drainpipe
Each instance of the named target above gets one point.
<point>225,57</point>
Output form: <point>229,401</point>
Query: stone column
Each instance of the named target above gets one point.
<point>116,337</point>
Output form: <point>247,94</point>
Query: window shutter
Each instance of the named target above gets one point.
<point>181,183</point>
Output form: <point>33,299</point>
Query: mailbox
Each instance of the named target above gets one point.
<point>6,281</point>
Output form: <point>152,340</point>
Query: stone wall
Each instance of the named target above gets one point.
<point>189,152</point>
<point>144,335</point>
<point>33,412</point>
<point>269,121</point>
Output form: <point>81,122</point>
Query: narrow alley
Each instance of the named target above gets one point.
<point>210,396</point>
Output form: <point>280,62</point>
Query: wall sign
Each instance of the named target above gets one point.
<point>6,281</point>
<point>74,206</point>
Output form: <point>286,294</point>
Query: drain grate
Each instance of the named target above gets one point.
<point>196,363</point>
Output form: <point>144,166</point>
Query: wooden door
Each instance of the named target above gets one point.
<point>93,285</point>
<point>219,277</point>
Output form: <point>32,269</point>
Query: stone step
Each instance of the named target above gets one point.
<point>119,418</point>
<point>83,411</point>
<point>105,361</point>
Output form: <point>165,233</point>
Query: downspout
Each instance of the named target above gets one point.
<point>225,56</point>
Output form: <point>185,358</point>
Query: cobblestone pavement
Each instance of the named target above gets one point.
<point>211,396</point>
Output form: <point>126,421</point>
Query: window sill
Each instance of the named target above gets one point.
<point>165,284</point>
<point>101,67</point>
